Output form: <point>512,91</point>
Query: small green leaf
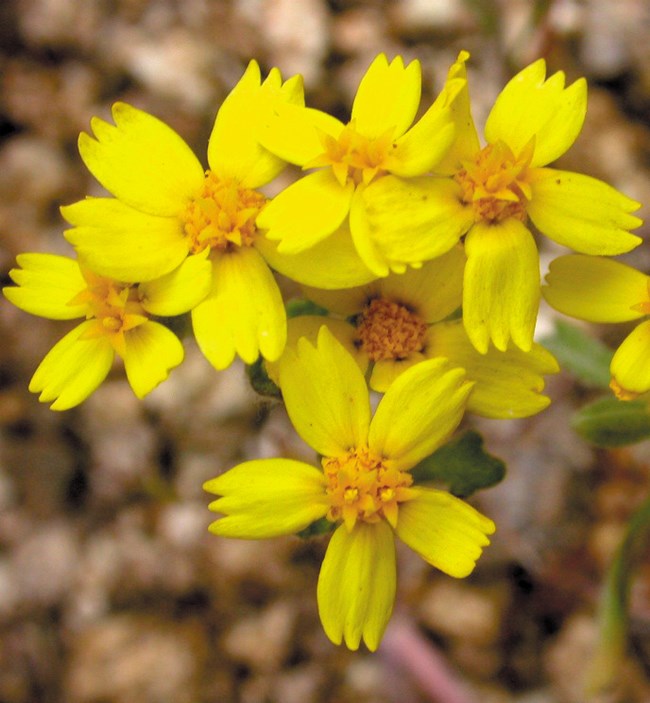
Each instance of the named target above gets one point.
<point>180,325</point>
<point>318,528</point>
<point>463,465</point>
<point>301,306</point>
<point>609,422</point>
<point>260,380</point>
<point>586,358</point>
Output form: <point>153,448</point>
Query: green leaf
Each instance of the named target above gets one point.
<point>301,306</point>
<point>318,528</point>
<point>609,422</point>
<point>463,465</point>
<point>588,359</point>
<point>260,380</point>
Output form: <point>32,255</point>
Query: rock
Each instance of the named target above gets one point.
<point>459,610</point>
<point>301,684</point>
<point>135,659</point>
<point>262,641</point>
<point>298,36</point>
<point>44,565</point>
<point>122,444</point>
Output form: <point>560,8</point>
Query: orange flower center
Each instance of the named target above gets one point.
<point>495,184</point>
<point>115,307</point>
<point>353,157</point>
<point>389,330</point>
<point>222,216</point>
<point>361,487</point>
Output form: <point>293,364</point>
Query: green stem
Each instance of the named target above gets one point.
<point>614,614</point>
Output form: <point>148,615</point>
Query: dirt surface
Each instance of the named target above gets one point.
<point>111,588</point>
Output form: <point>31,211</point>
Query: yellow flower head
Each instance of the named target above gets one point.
<point>492,193</point>
<point>401,320</point>
<point>378,145</point>
<point>118,321</point>
<point>602,290</point>
<point>363,483</point>
<point>166,208</point>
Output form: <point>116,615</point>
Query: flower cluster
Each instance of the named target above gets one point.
<point>414,245</point>
<point>363,486</point>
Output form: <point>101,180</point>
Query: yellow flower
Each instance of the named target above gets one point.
<point>602,290</point>
<point>363,483</point>
<point>493,192</point>
<point>117,322</point>
<point>377,146</point>
<point>399,321</point>
<point>167,207</point>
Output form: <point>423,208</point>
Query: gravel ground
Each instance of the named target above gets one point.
<point>111,588</point>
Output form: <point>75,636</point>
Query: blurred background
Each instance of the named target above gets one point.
<point>111,588</point>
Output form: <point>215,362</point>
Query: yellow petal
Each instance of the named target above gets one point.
<point>73,369</point>
<point>345,302</point>
<point>243,314</point>
<point>445,531</point>
<point>344,269</point>
<point>507,384</point>
<point>419,411</point>
<point>425,145</point>
<point>433,291</point>
<point>234,150</point>
<point>364,241</point>
<point>530,106</point>
<point>501,292</point>
<point>466,144</point>
<point>295,133</point>
<point>117,241</point>
<point>386,371</point>
<point>388,97</point>
<point>356,586</point>
<point>631,363</point>
<point>582,213</point>
<point>142,161</point>
<point>179,291</point>
<point>325,395</point>
<point>292,90</point>
<point>267,498</point>
<point>411,221</point>
<point>151,352</point>
<point>595,289</point>
<point>306,212</point>
<point>45,285</point>
<point>308,326</point>
<point>212,330</point>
